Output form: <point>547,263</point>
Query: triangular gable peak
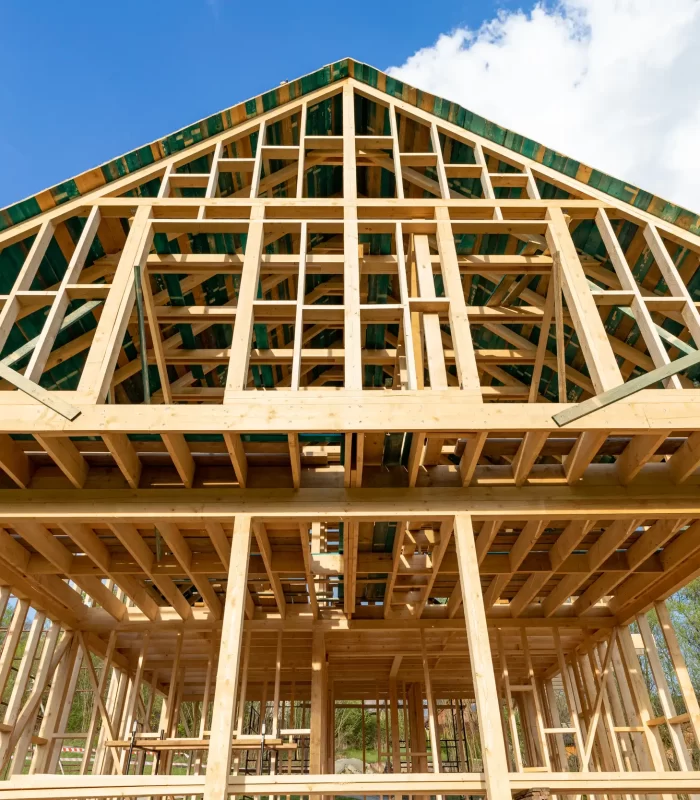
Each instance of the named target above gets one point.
<point>306,173</point>
<point>211,128</point>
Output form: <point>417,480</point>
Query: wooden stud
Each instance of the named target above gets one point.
<point>317,747</point>
<point>237,378</point>
<point>266,553</point>
<point>222,725</point>
<point>492,748</point>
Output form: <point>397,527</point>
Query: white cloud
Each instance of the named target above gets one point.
<point>612,83</point>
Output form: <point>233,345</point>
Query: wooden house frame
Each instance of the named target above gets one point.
<point>348,396</point>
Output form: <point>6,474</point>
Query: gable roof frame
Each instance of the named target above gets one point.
<point>124,173</point>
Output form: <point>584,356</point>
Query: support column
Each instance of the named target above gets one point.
<point>134,694</point>
<point>317,755</point>
<point>492,747</point>
<point>432,721</point>
<point>204,715</point>
<point>352,331</point>
<point>462,341</point>
<point>419,758</point>
<point>394,711</point>
<point>223,719</point>
<point>330,727</point>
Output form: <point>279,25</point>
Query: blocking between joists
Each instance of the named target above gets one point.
<point>369,457</point>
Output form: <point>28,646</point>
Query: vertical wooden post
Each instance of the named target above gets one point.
<point>686,687</point>
<point>276,700</point>
<point>299,336</point>
<point>570,698</point>
<point>510,710</point>
<point>134,693</point>
<point>222,725</point>
<point>541,737</point>
<point>364,736</point>
<point>351,273</point>
<point>204,716</point>
<point>147,714</point>
<point>432,722</point>
<point>462,761</point>
<point>330,727</point>
<point>406,326</point>
<point>171,712</point>
<point>317,756</point>
<point>432,335</point>
<point>237,378</point>
<point>292,719</point>
<point>526,722</point>
<point>462,341</point>
<point>244,685</point>
<point>419,760</point>
<point>492,747</point>
<point>394,711</point>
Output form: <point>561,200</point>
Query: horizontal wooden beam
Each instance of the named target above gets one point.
<point>329,564</point>
<point>320,411</point>
<point>606,502</point>
<point>59,787</point>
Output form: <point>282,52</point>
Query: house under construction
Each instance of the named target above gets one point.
<point>347,398</point>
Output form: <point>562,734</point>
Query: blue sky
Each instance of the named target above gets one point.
<point>87,80</point>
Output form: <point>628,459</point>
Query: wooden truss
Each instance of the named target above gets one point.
<point>277,438</point>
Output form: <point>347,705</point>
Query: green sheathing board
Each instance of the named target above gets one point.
<point>326,76</point>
